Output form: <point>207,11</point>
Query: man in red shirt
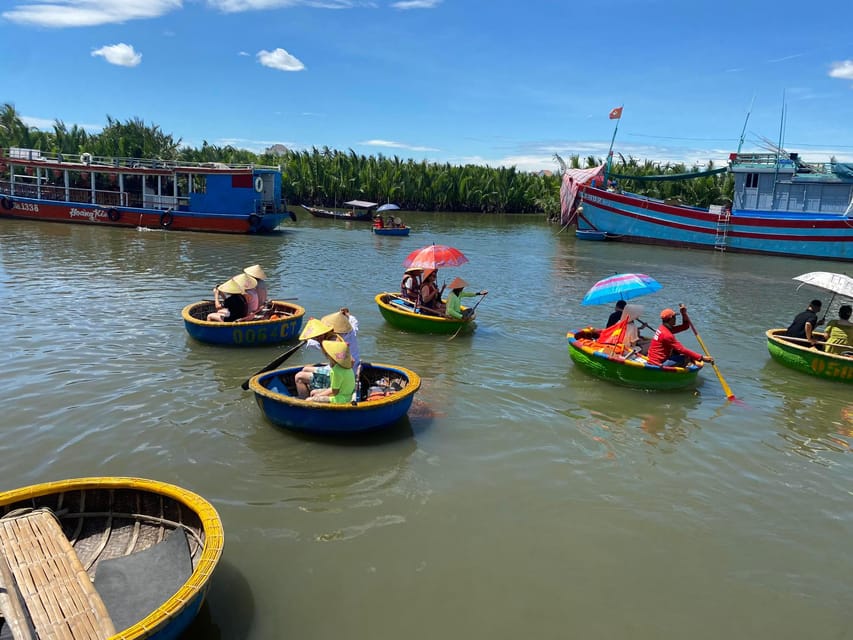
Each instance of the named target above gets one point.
<point>665,350</point>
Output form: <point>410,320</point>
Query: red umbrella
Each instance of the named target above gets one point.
<point>434,256</point>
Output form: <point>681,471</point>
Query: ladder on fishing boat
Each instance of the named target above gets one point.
<point>724,215</point>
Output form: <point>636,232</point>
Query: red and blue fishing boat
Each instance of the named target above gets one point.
<point>105,557</point>
<point>146,193</point>
<point>622,365</point>
<point>279,322</point>
<point>384,395</point>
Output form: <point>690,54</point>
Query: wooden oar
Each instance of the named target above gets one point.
<point>272,365</point>
<point>726,389</point>
<point>468,316</point>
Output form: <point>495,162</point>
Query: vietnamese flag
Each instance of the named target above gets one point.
<point>615,334</point>
<point>616,113</point>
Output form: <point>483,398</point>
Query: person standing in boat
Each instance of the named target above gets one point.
<point>453,308</point>
<point>665,350</point>
<point>232,306</point>
<point>256,272</point>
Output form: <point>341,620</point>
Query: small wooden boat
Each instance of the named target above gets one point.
<point>590,234</point>
<point>800,357</point>
<point>96,558</point>
<point>622,365</point>
<point>385,393</point>
<point>281,323</point>
<point>403,314</point>
<point>391,231</point>
<point>360,210</point>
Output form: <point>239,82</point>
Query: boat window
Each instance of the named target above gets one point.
<point>751,181</point>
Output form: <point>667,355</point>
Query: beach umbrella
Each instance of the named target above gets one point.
<point>388,207</point>
<point>434,256</point>
<point>622,286</point>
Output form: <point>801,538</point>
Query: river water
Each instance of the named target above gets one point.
<point>520,498</point>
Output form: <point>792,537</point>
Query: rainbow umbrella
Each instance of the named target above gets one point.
<point>622,286</point>
<point>434,256</point>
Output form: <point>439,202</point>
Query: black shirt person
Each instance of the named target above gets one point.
<point>805,322</point>
<point>616,316</point>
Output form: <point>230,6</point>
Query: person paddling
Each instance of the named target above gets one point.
<point>665,350</point>
<point>453,308</point>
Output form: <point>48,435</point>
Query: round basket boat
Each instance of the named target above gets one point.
<point>280,323</point>
<point>108,557</point>
<point>801,357</point>
<point>385,393</point>
<point>620,365</point>
<point>403,314</point>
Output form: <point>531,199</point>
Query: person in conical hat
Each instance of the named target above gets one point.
<point>316,330</point>
<point>430,295</point>
<point>232,306</point>
<point>341,377</point>
<point>454,299</point>
<point>411,283</point>
<point>250,290</point>
<point>258,274</point>
<point>346,326</point>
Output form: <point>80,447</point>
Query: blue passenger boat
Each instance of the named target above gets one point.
<point>137,192</point>
<point>782,206</point>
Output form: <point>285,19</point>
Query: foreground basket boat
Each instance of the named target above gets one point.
<point>402,314</point>
<point>385,394</point>
<point>105,557</point>
<point>618,364</point>
<point>283,325</point>
<point>802,358</point>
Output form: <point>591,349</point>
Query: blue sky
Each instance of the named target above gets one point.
<point>497,82</point>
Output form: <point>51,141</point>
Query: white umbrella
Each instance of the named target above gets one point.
<point>835,283</point>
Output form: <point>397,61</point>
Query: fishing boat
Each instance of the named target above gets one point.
<point>109,557</point>
<point>405,314</point>
<point>359,210</point>
<point>798,355</point>
<point>131,192</point>
<point>625,366</point>
<point>590,234</point>
<point>782,206</point>
<point>384,395</point>
<point>279,322</point>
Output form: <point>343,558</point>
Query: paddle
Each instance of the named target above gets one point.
<point>726,389</point>
<point>469,313</point>
<point>272,365</point>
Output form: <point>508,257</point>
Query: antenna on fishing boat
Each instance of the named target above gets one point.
<point>743,131</point>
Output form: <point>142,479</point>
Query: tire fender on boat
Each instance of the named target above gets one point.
<point>6,203</point>
<point>166,219</point>
<point>254,222</point>
<point>113,215</point>
<point>259,184</point>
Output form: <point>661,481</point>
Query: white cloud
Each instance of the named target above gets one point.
<point>843,70</point>
<point>238,6</point>
<point>396,145</point>
<point>87,13</point>
<point>280,59</point>
<point>43,124</point>
<point>122,55</point>
<point>416,4</point>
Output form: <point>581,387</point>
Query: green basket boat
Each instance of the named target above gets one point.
<point>805,359</point>
<point>402,314</point>
<point>621,365</point>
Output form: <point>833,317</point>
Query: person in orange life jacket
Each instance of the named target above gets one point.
<point>665,350</point>
<point>430,294</point>
<point>411,283</point>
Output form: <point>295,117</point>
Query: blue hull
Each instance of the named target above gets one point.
<point>243,334</point>
<point>395,231</point>
<point>283,409</point>
<point>644,220</point>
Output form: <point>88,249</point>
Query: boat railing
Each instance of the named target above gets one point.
<point>99,197</point>
<point>92,161</point>
<point>772,160</point>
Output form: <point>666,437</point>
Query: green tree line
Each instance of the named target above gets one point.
<point>327,177</point>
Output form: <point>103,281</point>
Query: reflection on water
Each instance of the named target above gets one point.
<point>513,470</point>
